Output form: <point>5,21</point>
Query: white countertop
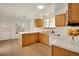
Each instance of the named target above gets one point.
<point>64,40</point>
<point>67,44</point>
<point>29,32</point>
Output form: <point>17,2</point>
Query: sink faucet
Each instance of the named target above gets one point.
<point>53,31</point>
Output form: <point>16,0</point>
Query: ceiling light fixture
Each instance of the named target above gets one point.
<point>40,7</point>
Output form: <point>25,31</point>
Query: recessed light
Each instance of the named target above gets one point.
<point>40,7</point>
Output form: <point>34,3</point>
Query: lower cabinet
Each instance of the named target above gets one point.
<point>43,38</point>
<point>57,51</point>
<point>29,38</point>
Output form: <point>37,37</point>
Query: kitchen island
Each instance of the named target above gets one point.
<point>27,38</point>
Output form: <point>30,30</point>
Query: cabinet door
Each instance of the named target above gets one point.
<point>73,12</point>
<point>34,37</point>
<point>43,38</point>
<point>38,23</point>
<point>60,20</point>
<point>57,51</point>
<point>26,39</point>
<point>29,38</point>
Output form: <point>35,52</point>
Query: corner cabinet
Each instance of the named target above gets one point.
<point>43,38</point>
<point>38,23</point>
<point>28,39</point>
<point>60,20</point>
<point>73,12</point>
<point>57,51</point>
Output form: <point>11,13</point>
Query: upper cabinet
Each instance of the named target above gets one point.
<point>60,20</point>
<point>73,12</point>
<point>38,23</point>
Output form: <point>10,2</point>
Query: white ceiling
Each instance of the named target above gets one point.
<point>29,10</point>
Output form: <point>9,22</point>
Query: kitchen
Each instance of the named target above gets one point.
<point>47,24</point>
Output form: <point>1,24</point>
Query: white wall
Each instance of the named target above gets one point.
<point>8,27</point>
<point>4,30</point>
<point>7,30</point>
<point>61,8</point>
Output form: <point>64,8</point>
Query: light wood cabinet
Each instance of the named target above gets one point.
<point>29,38</point>
<point>57,51</point>
<point>38,23</point>
<point>60,20</point>
<point>73,12</point>
<point>35,37</point>
<point>43,38</point>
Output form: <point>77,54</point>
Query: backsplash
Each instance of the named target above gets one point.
<point>49,30</point>
<point>63,32</point>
